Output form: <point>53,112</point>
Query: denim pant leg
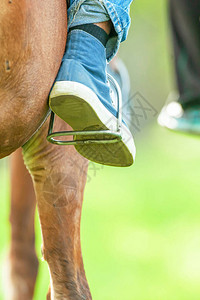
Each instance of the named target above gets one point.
<point>184,15</point>
<point>95,11</point>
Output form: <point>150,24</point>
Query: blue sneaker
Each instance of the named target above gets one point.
<point>82,97</point>
<point>187,120</point>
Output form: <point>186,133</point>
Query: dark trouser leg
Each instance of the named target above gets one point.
<point>185,23</point>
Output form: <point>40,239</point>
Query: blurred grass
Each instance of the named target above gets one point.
<point>140,231</point>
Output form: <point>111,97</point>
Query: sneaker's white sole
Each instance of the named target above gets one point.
<point>79,106</point>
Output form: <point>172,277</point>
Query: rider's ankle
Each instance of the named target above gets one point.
<point>106,26</point>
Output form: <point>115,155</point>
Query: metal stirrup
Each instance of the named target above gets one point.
<point>116,135</point>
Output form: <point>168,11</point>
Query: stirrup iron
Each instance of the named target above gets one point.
<point>116,135</point>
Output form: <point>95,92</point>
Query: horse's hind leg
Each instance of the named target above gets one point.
<point>23,263</point>
<point>59,176</point>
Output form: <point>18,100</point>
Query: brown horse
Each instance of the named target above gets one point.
<point>32,38</point>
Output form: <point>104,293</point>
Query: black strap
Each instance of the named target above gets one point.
<point>94,30</point>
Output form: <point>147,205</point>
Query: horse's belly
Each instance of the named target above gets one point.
<point>32,42</point>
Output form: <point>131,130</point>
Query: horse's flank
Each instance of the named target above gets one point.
<point>32,43</point>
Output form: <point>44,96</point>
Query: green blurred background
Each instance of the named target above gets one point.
<point>141,231</point>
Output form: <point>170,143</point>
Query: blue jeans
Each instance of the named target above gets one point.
<point>95,11</point>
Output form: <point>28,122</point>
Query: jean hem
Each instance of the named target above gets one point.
<point>113,43</point>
